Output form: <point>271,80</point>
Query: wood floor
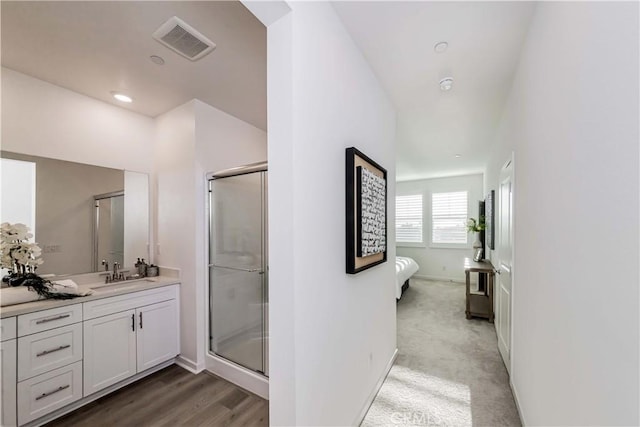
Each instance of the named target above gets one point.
<point>173,397</point>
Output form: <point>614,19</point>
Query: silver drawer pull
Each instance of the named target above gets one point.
<point>44,353</point>
<point>43,395</point>
<point>51,319</point>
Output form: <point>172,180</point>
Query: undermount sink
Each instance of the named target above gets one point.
<point>119,286</point>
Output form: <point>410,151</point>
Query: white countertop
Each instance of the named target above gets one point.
<point>100,290</point>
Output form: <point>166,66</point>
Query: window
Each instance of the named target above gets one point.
<point>448,218</point>
<point>409,219</point>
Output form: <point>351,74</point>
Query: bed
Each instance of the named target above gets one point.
<point>405,268</point>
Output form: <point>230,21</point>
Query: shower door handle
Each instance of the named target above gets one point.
<point>246,270</point>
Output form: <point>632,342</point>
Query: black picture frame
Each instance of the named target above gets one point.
<point>489,219</point>
<point>355,162</point>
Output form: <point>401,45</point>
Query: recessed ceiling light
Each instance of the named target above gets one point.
<point>458,156</point>
<point>441,47</point>
<point>446,84</point>
<point>122,97</point>
<point>157,59</point>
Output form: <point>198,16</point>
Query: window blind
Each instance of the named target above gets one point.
<point>409,219</point>
<point>448,217</point>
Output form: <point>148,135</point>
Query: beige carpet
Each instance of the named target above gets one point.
<point>448,371</point>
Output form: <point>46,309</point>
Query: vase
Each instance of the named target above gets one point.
<point>477,244</point>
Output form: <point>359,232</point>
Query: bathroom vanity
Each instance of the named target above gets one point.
<point>58,355</point>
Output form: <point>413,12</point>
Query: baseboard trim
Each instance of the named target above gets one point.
<point>189,365</point>
<point>374,392</point>
<point>515,398</point>
<point>438,278</point>
<point>238,375</point>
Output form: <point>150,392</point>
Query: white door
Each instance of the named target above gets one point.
<point>505,260</point>
<point>8,379</point>
<point>109,350</point>
<point>157,327</point>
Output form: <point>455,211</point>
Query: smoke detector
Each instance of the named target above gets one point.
<point>446,84</point>
<point>441,47</point>
<point>182,38</point>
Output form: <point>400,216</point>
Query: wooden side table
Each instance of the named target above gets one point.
<point>479,304</point>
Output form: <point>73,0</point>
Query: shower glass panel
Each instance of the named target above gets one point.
<point>237,269</point>
<point>109,229</point>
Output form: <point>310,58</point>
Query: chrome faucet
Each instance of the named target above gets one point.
<point>106,264</point>
<point>117,275</point>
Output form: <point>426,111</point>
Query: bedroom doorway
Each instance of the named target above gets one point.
<point>504,277</point>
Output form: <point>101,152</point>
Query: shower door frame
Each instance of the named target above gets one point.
<point>96,224</point>
<point>248,376</point>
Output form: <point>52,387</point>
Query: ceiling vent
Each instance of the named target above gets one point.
<point>184,39</point>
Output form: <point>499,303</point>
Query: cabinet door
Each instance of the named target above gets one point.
<point>109,350</point>
<point>157,334</point>
<point>8,378</point>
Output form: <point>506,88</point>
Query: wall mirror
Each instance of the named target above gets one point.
<point>80,215</point>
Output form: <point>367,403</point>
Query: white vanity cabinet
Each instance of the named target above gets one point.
<point>8,353</point>
<point>49,361</point>
<point>54,360</point>
<point>128,334</point>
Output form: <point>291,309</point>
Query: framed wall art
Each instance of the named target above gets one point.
<point>366,212</point>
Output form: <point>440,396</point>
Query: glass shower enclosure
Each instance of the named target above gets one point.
<point>108,229</point>
<point>238,267</point>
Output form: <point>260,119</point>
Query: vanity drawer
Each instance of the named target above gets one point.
<point>45,393</point>
<point>8,328</point>
<point>44,351</point>
<point>48,319</point>
<point>117,304</point>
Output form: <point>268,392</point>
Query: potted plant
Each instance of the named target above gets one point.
<point>476,226</point>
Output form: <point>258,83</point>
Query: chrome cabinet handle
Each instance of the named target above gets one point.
<point>43,395</point>
<point>51,319</point>
<point>44,353</point>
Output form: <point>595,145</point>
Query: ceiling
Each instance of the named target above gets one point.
<point>485,39</point>
<point>97,47</point>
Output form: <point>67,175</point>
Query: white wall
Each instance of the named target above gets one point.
<point>42,119</point>
<point>176,214</point>
<point>340,333</point>
<point>282,320</point>
<point>572,121</point>
<point>136,217</point>
<point>192,140</point>
<point>441,263</point>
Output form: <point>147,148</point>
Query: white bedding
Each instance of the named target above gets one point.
<point>405,268</point>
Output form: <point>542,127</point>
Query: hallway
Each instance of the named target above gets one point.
<point>448,370</point>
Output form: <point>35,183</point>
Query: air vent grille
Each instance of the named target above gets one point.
<point>183,39</point>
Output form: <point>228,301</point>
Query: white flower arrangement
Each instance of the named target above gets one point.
<point>17,254</point>
<point>475,226</point>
